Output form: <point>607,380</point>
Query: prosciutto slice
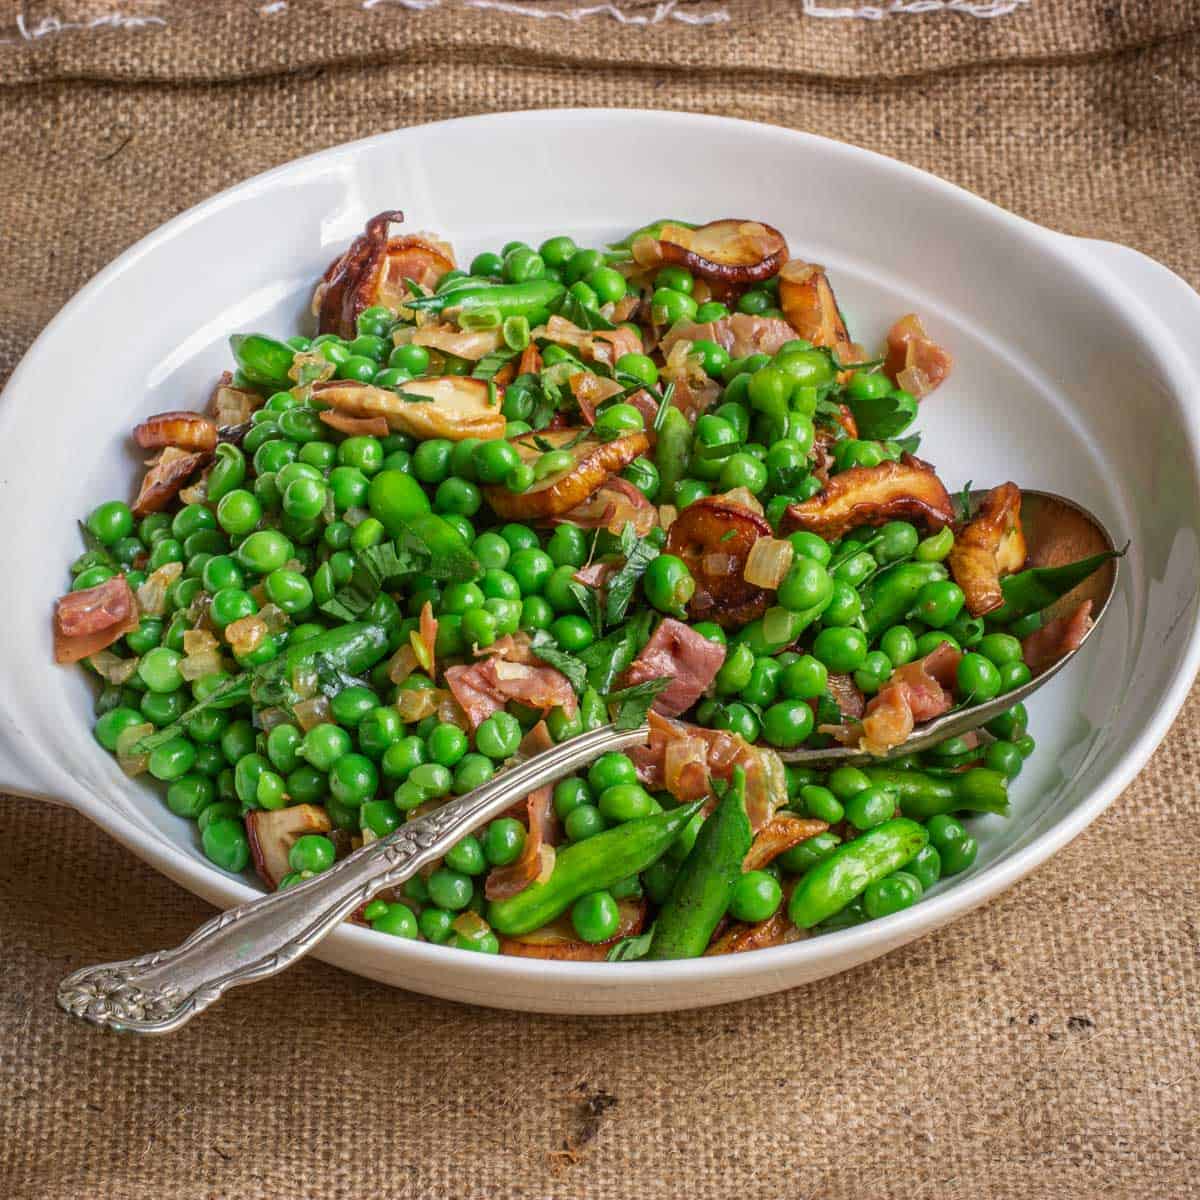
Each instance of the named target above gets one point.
<point>484,688</point>
<point>989,546</point>
<point>671,760</point>
<point>91,620</point>
<point>915,362</point>
<point>916,692</point>
<point>1057,638</point>
<point>687,658</point>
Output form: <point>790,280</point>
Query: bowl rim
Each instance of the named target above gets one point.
<point>855,944</point>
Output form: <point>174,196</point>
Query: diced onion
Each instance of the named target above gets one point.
<point>196,641</point>
<point>745,497</point>
<point>646,251</point>
<point>470,925</point>
<point>314,711</point>
<point>768,562</point>
<point>305,682</point>
<point>417,704</point>
<point>547,856</point>
<point>666,515</point>
<point>199,664</point>
<point>133,764</point>
<point>268,718</point>
<point>152,595</point>
<point>111,667</point>
<point>777,624</point>
<point>402,664</point>
<point>246,634</point>
<point>273,617</point>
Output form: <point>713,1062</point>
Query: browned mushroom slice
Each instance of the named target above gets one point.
<point>375,270</point>
<point>187,430</point>
<point>714,538</point>
<point>783,831</point>
<point>988,547</point>
<point>472,344</point>
<point>559,940</point>
<point>777,930</point>
<point>732,251</point>
<point>166,478</point>
<point>457,408</point>
<point>907,490</point>
<point>272,835</point>
<point>555,496</point>
<point>914,362</point>
<point>613,505</point>
<point>811,308</point>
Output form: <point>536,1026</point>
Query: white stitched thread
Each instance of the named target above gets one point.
<point>48,25</point>
<point>278,6</point>
<point>877,12</point>
<point>418,5</point>
<point>662,12</point>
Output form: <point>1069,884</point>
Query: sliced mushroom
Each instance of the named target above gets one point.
<point>594,345</point>
<point>783,831</point>
<point>556,495</point>
<point>988,547</point>
<point>559,940</point>
<point>731,251</point>
<point>714,538</point>
<point>615,504</point>
<point>166,478</point>
<point>812,310</point>
<point>914,362</point>
<point>186,430</point>
<point>375,270</point>
<point>462,343</point>
<point>457,408</point>
<point>272,835</point>
<point>907,490</point>
<point>776,930</point>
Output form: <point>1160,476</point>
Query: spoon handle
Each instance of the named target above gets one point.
<point>162,991</point>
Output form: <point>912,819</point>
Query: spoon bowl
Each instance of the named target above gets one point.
<point>1057,531</point>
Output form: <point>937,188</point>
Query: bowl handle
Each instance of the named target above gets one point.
<point>1173,301</point>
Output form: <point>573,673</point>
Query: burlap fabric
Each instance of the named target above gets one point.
<point>1045,1046</point>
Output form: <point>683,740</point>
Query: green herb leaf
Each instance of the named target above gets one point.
<point>589,602</point>
<point>663,405</point>
<point>964,502</point>
<point>910,444</point>
<point>608,659</point>
<point>546,648</point>
<point>631,948</point>
<point>633,703</point>
<point>490,364</point>
<point>230,692</point>
<point>574,310</point>
<point>638,556</point>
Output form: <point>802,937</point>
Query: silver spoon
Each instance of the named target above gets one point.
<point>162,991</point>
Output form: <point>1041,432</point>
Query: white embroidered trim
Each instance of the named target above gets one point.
<point>887,8</point>
<point>663,11</point>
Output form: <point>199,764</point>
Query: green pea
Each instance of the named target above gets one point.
<point>870,807</point>
<point>821,803</point>
<point>845,782</point>
<point>159,669</point>
<point>595,916</point>
<point>894,892</point>
<point>584,822</point>
<point>504,841</point>
<point>640,366</point>
<point>756,896</point>
<point>498,736</point>
<point>472,771</point>
<point>324,745</point>
<point>787,724</point>
<point>1000,648</point>
<point>110,521</point>
<point>172,760</point>
<point>264,551</point>
<point>805,679</point>
<point>625,802</point>
<point>842,649</point>
<point>450,889</point>
<point>808,853</point>
<point>398,921</point>
<point>936,547</point>
<point>225,843</point>
<point>113,723</point>
<point>977,678</point>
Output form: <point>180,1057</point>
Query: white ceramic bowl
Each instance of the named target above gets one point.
<point>1075,372</point>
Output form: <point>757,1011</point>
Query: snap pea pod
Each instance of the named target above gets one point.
<point>263,360</point>
<point>672,452</point>
<point>704,886</point>
<point>1031,591</point>
<point>507,299</point>
<point>654,229</point>
<point>592,865</point>
<point>837,880</point>
<point>354,648</point>
<point>893,593</point>
<point>921,795</point>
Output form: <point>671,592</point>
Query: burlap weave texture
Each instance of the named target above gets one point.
<point>1044,1046</point>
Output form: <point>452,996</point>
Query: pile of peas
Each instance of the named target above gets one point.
<point>288,511</point>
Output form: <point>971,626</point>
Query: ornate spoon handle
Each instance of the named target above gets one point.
<point>160,992</point>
